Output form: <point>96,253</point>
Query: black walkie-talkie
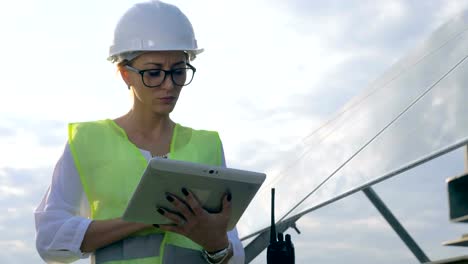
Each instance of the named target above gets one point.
<point>279,251</point>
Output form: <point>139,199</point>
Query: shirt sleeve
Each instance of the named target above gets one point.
<point>62,216</point>
<point>238,253</point>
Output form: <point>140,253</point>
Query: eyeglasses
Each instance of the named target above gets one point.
<point>155,77</point>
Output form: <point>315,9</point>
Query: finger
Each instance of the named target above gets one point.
<point>193,202</point>
<point>177,219</point>
<point>183,208</point>
<point>227,205</point>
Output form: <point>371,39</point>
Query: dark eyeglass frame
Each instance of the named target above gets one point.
<point>142,73</point>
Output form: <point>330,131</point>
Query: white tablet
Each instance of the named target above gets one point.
<point>208,183</point>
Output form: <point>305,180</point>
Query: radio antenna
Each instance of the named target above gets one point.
<point>273,226</point>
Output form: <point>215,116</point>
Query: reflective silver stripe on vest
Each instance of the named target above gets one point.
<point>175,255</point>
<point>130,248</point>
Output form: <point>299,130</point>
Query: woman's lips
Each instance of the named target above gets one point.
<point>167,99</point>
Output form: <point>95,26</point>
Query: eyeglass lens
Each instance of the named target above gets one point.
<point>181,77</point>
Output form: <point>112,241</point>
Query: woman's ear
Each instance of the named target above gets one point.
<point>125,76</point>
<point>124,72</point>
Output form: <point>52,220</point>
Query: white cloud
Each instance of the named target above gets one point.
<point>24,151</point>
<point>449,10</point>
<point>15,246</point>
<point>376,223</point>
<point>10,192</point>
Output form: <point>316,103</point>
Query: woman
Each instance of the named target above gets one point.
<point>103,160</point>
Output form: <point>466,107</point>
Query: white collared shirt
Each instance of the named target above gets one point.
<point>62,217</point>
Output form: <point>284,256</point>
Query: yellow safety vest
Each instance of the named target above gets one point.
<point>110,167</point>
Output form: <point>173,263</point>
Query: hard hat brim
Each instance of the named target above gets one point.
<point>132,54</point>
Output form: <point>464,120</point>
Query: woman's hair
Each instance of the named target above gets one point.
<point>125,62</point>
<point>122,64</point>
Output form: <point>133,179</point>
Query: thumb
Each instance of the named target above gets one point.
<point>227,205</point>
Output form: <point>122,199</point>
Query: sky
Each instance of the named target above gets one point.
<point>272,72</point>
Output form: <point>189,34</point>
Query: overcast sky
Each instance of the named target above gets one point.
<point>271,73</point>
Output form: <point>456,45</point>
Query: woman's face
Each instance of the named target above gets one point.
<point>163,98</point>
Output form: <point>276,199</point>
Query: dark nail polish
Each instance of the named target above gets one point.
<point>229,197</point>
<point>156,225</point>
<point>185,192</point>
<point>169,198</point>
<point>161,211</point>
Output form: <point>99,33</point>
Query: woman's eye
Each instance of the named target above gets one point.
<point>154,73</point>
<point>178,72</point>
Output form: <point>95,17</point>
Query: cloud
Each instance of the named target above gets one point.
<point>10,192</point>
<point>15,246</point>
<point>20,192</point>
<point>40,140</point>
<point>6,132</point>
<point>388,25</point>
<point>371,223</point>
<point>450,9</point>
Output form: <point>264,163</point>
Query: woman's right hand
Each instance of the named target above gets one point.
<point>209,230</point>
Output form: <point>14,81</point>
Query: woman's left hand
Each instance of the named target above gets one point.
<point>209,230</point>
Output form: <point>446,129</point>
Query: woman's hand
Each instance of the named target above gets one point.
<point>209,230</point>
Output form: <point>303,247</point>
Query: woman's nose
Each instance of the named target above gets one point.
<point>168,83</point>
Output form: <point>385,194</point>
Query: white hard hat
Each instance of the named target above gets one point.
<point>152,26</point>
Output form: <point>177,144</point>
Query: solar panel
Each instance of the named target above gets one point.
<point>416,108</point>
